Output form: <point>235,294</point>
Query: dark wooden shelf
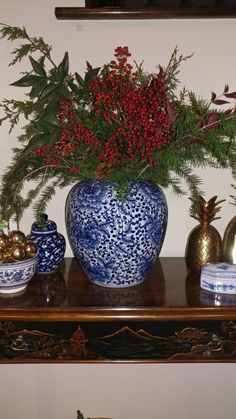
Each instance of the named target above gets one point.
<point>93,13</point>
<point>167,318</point>
<point>170,293</point>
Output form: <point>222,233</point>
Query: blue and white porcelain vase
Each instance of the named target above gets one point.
<point>115,242</point>
<point>51,245</point>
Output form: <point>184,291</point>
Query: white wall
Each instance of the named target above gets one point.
<point>124,391</point>
<point>133,391</point>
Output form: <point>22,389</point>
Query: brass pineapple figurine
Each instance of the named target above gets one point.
<point>229,238</point>
<point>204,244</point>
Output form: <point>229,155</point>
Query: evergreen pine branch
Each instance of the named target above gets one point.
<point>143,77</point>
<point>199,105</point>
<point>192,180</point>
<point>33,193</point>
<point>21,52</point>
<point>46,195</point>
<point>13,33</point>
<point>13,181</point>
<point>172,70</point>
<point>68,180</point>
<point>176,185</point>
<point>13,109</point>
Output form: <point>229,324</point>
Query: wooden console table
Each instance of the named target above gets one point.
<point>63,317</point>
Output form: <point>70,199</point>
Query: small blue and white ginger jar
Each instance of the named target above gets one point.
<point>51,245</point>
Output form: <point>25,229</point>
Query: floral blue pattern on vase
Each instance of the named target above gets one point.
<point>50,245</point>
<point>115,242</point>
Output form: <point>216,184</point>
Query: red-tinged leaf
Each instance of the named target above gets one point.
<point>213,96</point>
<point>161,71</point>
<point>229,111</point>
<point>226,89</point>
<point>194,140</point>
<point>89,66</point>
<point>199,123</point>
<point>220,102</point>
<point>231,95</point>
<point>213,118</point>
<point>171,113</point>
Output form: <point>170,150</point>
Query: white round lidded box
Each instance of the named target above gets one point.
<point>219,277</point>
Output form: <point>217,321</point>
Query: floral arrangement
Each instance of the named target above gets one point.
<point>115,123</point>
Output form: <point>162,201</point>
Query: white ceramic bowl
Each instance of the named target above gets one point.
<point>15,276</point>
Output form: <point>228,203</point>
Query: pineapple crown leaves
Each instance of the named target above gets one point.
<point>205,211</point>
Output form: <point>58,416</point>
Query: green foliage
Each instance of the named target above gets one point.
<point>13,33</point>
<point>199,135</point>
<point>233,196</point>
<point>172,71</point>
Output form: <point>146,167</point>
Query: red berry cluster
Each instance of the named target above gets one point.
<point>140,110</point>
<point>128,120</point>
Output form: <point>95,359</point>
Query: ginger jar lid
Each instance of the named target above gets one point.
<point>45,226</point>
